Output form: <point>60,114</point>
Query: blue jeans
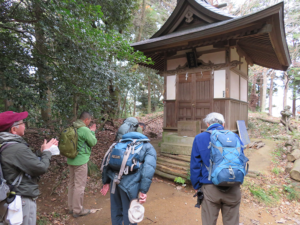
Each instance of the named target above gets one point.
<point>119,205</point>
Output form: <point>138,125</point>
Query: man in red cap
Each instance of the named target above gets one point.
<point>17,158</point>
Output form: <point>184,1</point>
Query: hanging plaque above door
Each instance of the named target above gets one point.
<point>191,59</point>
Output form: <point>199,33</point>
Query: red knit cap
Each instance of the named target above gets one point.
<point>8,118</point>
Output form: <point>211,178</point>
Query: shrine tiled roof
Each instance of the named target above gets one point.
<point>189,32</point>
<point>260,35</point>
<point>213,9</point>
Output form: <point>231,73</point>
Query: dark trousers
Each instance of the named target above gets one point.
<point>214,200</point>
<point>119,205</point>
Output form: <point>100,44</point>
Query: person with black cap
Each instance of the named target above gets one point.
<point>18,158</point>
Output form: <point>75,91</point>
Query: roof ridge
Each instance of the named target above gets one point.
<point>212,8</point>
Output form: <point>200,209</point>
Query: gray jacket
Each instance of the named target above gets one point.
<point>18,157</point>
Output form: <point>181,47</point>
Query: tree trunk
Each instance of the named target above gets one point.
<point>149,95</point>
<point>119,106</point>
<point>7,103</point>
<point>124,104</point>
<point>44,78</point>
<point>294,100</point>
<point>75,106</point>
<point>260,90</point>
<point>271,94</point>
<point>253,96</point>
<point>264,91</point>
<point>139,37</point>
<point>286,88</point>
<point>134,104</point>
<point>112,108</point>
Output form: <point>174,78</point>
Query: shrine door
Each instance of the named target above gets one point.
<point>194,96</point>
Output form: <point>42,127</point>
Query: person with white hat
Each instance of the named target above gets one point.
<point>125,208</point>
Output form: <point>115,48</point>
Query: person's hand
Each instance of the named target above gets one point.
<point>104,189</point>
<point>48,145</point>
<point>93,127</point>
<point>143,198</point>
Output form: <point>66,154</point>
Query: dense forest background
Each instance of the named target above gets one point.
<point>58,58</point>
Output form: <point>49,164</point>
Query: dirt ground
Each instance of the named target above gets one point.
<point>166,203</point>
<point>166,206</point>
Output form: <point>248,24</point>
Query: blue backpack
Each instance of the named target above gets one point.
<point>227,160</point>
<point>123,156</point>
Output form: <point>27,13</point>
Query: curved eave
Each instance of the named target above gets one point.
<point>179,7</point>
<point>277,38</point>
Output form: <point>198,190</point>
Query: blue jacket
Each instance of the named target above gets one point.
<point>141,180</point>
<point>200,157</point>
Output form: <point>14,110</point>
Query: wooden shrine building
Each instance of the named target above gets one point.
<point>204,53</point>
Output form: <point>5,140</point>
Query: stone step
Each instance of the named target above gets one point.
<point>169,176</point>
<point>177,167</point>
<point>170,170</point>
<point>172,161</point>
<point>178,157</point>
<point>165,175</point>
<point>173,138</point>
<point>177,149</point>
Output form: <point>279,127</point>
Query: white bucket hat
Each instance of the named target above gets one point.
<point>136,211</point>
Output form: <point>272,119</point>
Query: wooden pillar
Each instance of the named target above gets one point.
<point>165,98</point>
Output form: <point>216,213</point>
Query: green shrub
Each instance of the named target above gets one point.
<point>276,170</point>
<point>93,169</point>
<point>189,174</point>
<point>292,194</point>
<point>251,125</point>
<point>42,221</point>
<point>268,197</point>
<point>179,180</point>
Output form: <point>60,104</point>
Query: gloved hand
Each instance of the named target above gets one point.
<point>104,189</point>
<point>143,198</point>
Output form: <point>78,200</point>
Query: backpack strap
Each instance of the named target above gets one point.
<point>107,156</point>
<point>208,131</point>
<point>18,179</point>
<point>6,144</point>
<point>84,145</point>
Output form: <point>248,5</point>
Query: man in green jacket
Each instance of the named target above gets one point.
<point>78,166</point>
<point>17,158</point>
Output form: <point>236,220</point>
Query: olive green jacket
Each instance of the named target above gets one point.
<point>18,157</point>
<point>86,140</point>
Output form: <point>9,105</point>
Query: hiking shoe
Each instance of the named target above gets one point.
<point>83,212</point>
